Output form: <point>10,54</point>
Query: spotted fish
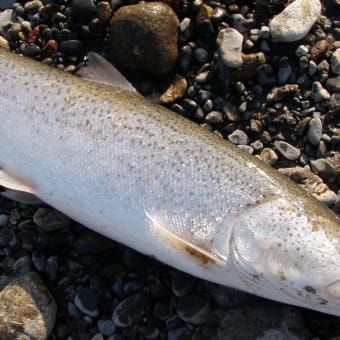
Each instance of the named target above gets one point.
<point>152,180</point>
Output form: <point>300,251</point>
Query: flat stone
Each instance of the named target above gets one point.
<point>287,150</point>
<point>27,309</point>
<point>50,219</point>
<point>295,21</point>
<point>229,43</point>
<point>144,37</point>
<point>314,131</point>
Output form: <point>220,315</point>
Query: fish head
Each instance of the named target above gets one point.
<point>288,250</point>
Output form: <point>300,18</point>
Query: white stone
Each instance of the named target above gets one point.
<point>229,42</point>
<point>295,21</point>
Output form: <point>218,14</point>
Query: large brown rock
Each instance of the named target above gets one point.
<point>144,37</point>
<point>27,309</point>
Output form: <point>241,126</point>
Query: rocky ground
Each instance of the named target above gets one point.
<point>262,74</point>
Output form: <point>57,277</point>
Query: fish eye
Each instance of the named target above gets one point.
<point>334,289</point>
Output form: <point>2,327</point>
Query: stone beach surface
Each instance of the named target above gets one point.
<point>242,69</point>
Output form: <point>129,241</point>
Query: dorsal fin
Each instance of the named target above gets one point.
<point>98,69</point>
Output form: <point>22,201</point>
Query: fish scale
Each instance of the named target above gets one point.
<point>151,179</point>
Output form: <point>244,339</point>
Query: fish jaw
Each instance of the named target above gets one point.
<point>280,253</point>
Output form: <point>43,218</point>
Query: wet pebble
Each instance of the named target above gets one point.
<point>295,21</point>
<point>182,284</point>
<point>229,43</point>
<point>84,10</point>
<point>131,310</point>
<point>71,47</point>
<point>193,308</point>
<point>287,150</point>
<point>87,302</point>
<point>106,327</point>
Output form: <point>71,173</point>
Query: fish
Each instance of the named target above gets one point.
<point>140,174</point>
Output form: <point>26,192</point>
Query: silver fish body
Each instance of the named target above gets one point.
<point>148,178</point>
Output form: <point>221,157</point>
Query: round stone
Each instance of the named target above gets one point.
<point>335,61</point>
<point>144,36</point>
<point>238,137</point>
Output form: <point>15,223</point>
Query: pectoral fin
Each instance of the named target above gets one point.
<point>200,251</point>
<point>18,189</point>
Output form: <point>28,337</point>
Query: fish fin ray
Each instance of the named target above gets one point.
<point>98,69</point>
<point>15,183</point>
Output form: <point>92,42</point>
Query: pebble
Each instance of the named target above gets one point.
<point>89,242</point>
<point>238,137</point>
<point>229,42</point>
<point>87,302</point>
<point>193,308</point>
<point>279,93</point>
<point>323,168</point>
<point>144,37</point>
<point>104,12</point>
<point>319,93</point>
<point>50,219</point>
<point>295,21</point>
<point>314,131</point>
<point>84,10</point>
<point>285,70</point>
<point>106,327</point>
<point>175,91</point>
<point>240,23</point>
<point>287,150</point>
<point>131,310</point>
<point>182,284</point>
<point>26,301</point>
<point>201,55</point>
<point>333,84</point>
<point>71,47</point>
<point>269,156</point>
<point>311,183</point>
<point>32,7</point>
<point>214,117</point>
<point>335,61</point>
<point>262,320</point>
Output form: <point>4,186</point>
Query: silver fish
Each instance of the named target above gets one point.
<point>150,179</point>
